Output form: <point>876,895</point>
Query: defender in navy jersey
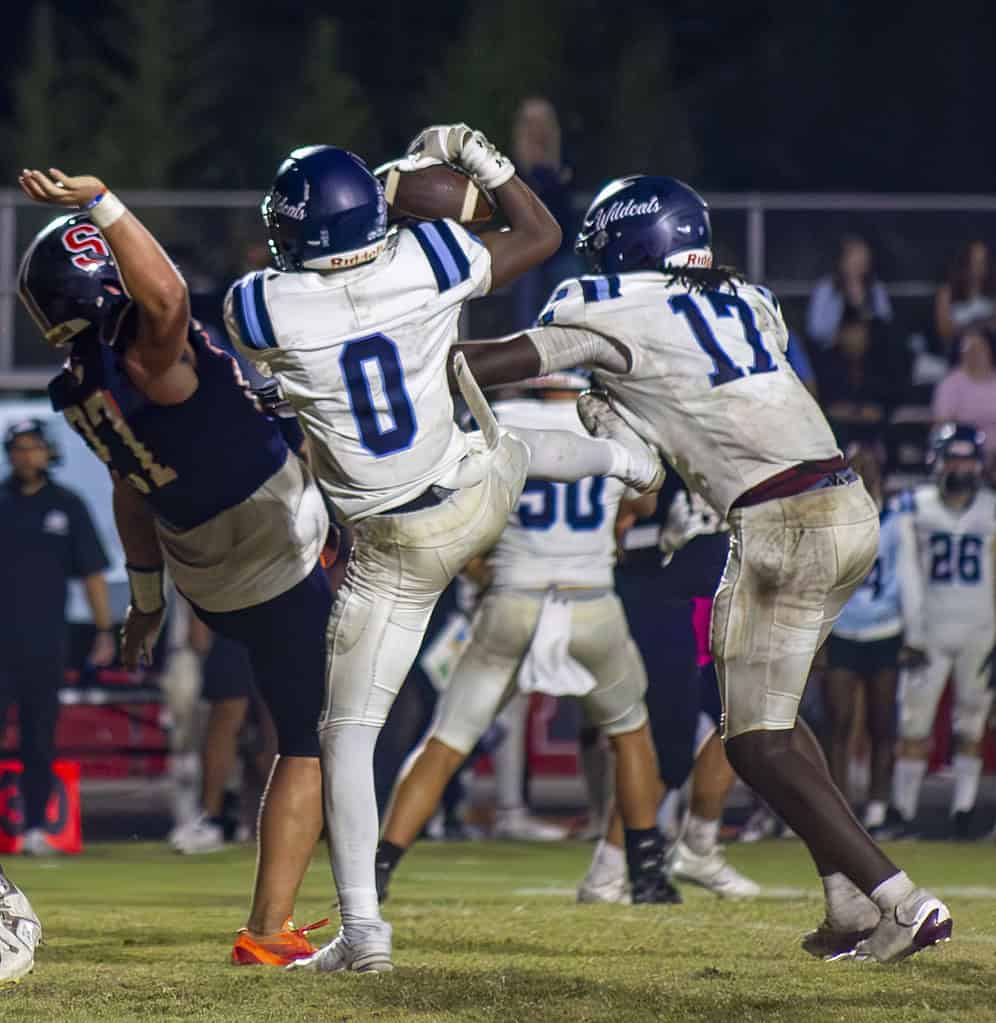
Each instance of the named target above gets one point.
<point>204,487</point>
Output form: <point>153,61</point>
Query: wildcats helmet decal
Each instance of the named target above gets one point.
<point>645,223</point>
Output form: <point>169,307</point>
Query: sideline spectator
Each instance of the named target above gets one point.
<point>536,150</point>
<point>968,393</point>
<point>856,384</point>
<point>968,298</point>
<point>852,294</point>
<point>46,538</point>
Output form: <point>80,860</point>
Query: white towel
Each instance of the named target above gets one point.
<point>548,667</point>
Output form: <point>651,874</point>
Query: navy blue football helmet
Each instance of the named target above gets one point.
<point>70,284</point>
<point>325,211</point>
<point>957,441</point>
<point>645,223</point>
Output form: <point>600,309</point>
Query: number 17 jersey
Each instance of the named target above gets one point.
<point>361,356</point>
<point>709,382</point>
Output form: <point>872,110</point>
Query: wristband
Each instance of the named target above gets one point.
<point>106,209</point>
<point>146,586</point>
<point>93,202</point>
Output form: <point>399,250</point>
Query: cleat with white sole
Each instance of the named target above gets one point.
<point>646,471</point>
<point>20,933</point>
<point>370,952</point>
<point>615,890</point>
<point>711,872</point>
<point>34,842</point>
<point>919,921</point>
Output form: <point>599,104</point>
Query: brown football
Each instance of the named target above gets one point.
<point>429,190</point>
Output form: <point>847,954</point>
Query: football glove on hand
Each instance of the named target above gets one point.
<point>469,149</point>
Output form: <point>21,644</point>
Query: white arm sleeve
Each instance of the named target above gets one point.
<point>910,583</point>
<point>567,347</point>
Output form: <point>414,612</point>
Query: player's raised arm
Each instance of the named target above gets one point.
<point>153,282</point>
<point>533,235</point>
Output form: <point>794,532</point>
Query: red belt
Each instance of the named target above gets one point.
<point>789,482</point>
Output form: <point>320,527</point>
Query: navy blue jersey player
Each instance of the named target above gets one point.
<point>204,487</point>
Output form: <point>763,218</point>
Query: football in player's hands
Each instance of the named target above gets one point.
<point>429,189</point>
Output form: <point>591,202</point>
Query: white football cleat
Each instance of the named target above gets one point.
<point>198,837</point>
<point>20,932</point>
<point>520,825</point>
<point>712,872</point>
<point>368,953</point>
<point>614,890</point>
<point>35,843</point>
<point>646,472</point>
<point>919,921</point>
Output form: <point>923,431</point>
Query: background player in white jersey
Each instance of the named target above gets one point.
<point>863,652</point>
<point>947,582</point>
<point>550,602</point>
<point>694,358</point>
<point>356,325</point>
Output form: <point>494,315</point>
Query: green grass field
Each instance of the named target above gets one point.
<point>489,931</point>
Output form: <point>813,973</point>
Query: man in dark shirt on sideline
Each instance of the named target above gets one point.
<point>46,538</point>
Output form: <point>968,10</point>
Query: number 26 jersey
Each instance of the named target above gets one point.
<point>361,356</point>
<point>709,383</point>
<point>955,552</point>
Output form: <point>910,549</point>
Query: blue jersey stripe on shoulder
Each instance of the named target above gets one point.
<point>459,256</point>
<point>448,261</point>
<point>597,289</point>
<point>249,303</point>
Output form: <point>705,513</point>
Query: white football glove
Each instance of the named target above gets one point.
<point>469,149</point>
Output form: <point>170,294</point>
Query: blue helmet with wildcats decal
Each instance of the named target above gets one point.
<point>645,223</point>
<point>69,283</point>
<point>325,211</point>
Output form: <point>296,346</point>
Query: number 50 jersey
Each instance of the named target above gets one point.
<point>709,383</point>
<point>561,534</point>
<point>361,356</point>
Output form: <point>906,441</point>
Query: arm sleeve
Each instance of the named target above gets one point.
<point>88,554</point>
<point>563,336</point>
<point>910,576</point>
<point>823,315</point>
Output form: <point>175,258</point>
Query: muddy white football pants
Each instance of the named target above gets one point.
<point>793,564</point>
<point>485,677</point>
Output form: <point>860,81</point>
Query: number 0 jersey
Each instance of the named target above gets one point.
<point>709,383</point>
<point>561,534</point>
<point>361,356</point>
<point>953,583</point>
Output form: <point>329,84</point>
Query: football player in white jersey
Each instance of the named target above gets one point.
<point>693,357</point>
<point>550,602</point>
<point>947,586</point>
<point>356,324</point>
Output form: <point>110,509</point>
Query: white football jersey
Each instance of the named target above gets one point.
<point>561,534</point>
<point>709,384</point>
<point>955,556</point>
<point>361,356</point>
